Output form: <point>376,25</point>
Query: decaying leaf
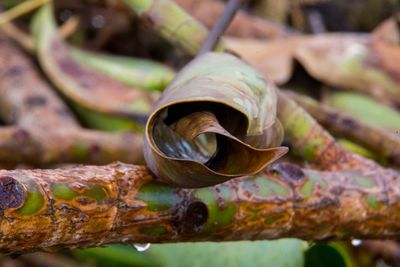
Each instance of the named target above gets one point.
<point>388,31</point>
<point>354,61</point>
<point>81,84</point>
<point>357,62</point>
<point>273,58</point>
<point>215,121</point>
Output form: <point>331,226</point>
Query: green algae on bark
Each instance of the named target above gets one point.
<point>315,144</point>
<point>356,126</point>
<point>303,203</point>
<point>173,23</point>
<point>308,138</point>
<point>215,121</point>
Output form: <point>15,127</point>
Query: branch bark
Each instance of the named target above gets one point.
<point>90,206</point>
<point>310,139</point>
<point>45,131</point>
<point>379,140</point>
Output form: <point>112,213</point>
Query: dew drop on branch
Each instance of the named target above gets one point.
<point>356,242</point>
<point>141,247</point>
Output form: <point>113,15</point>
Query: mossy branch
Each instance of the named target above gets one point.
<point>89,206</point>
<point>381,141</point>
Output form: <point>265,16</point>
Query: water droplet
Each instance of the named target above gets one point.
<point>356,242</point>
<point>141,247</point>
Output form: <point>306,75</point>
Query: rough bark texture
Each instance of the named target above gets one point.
<point>45,130</point>
<point>308,138</point>
<point>89,206</point>
<point>377,139</point>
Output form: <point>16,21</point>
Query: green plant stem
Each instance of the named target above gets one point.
<point>173,23</point>
<point>377,139</point>
<point>307,137</point>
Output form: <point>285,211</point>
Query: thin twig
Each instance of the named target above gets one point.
<point>220,26</point>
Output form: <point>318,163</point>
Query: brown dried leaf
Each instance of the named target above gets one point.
<point>273,58</point>
<point>216,121</point>
<point>388,31</point>
<point>354,61</point>
<point>357,62</point>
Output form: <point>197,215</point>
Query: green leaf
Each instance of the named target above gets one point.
<point>232,254</point>
<point>133,72</point>
<point>116,255</point>
<point>204,254</point>
<point>324,255</point>
<point>105,122</point>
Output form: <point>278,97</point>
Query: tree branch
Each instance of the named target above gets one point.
<point>309,138</point>
<point>90,206</point>
<point>45,130</point>
<point>379,140</point>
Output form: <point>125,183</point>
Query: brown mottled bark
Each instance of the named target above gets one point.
<point>378,140</point>
<point>89,206</point>
<point>311,140</point>
<point>45,131</point>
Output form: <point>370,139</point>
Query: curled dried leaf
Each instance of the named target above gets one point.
<point>215,121</point>
<point>83,85</point>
